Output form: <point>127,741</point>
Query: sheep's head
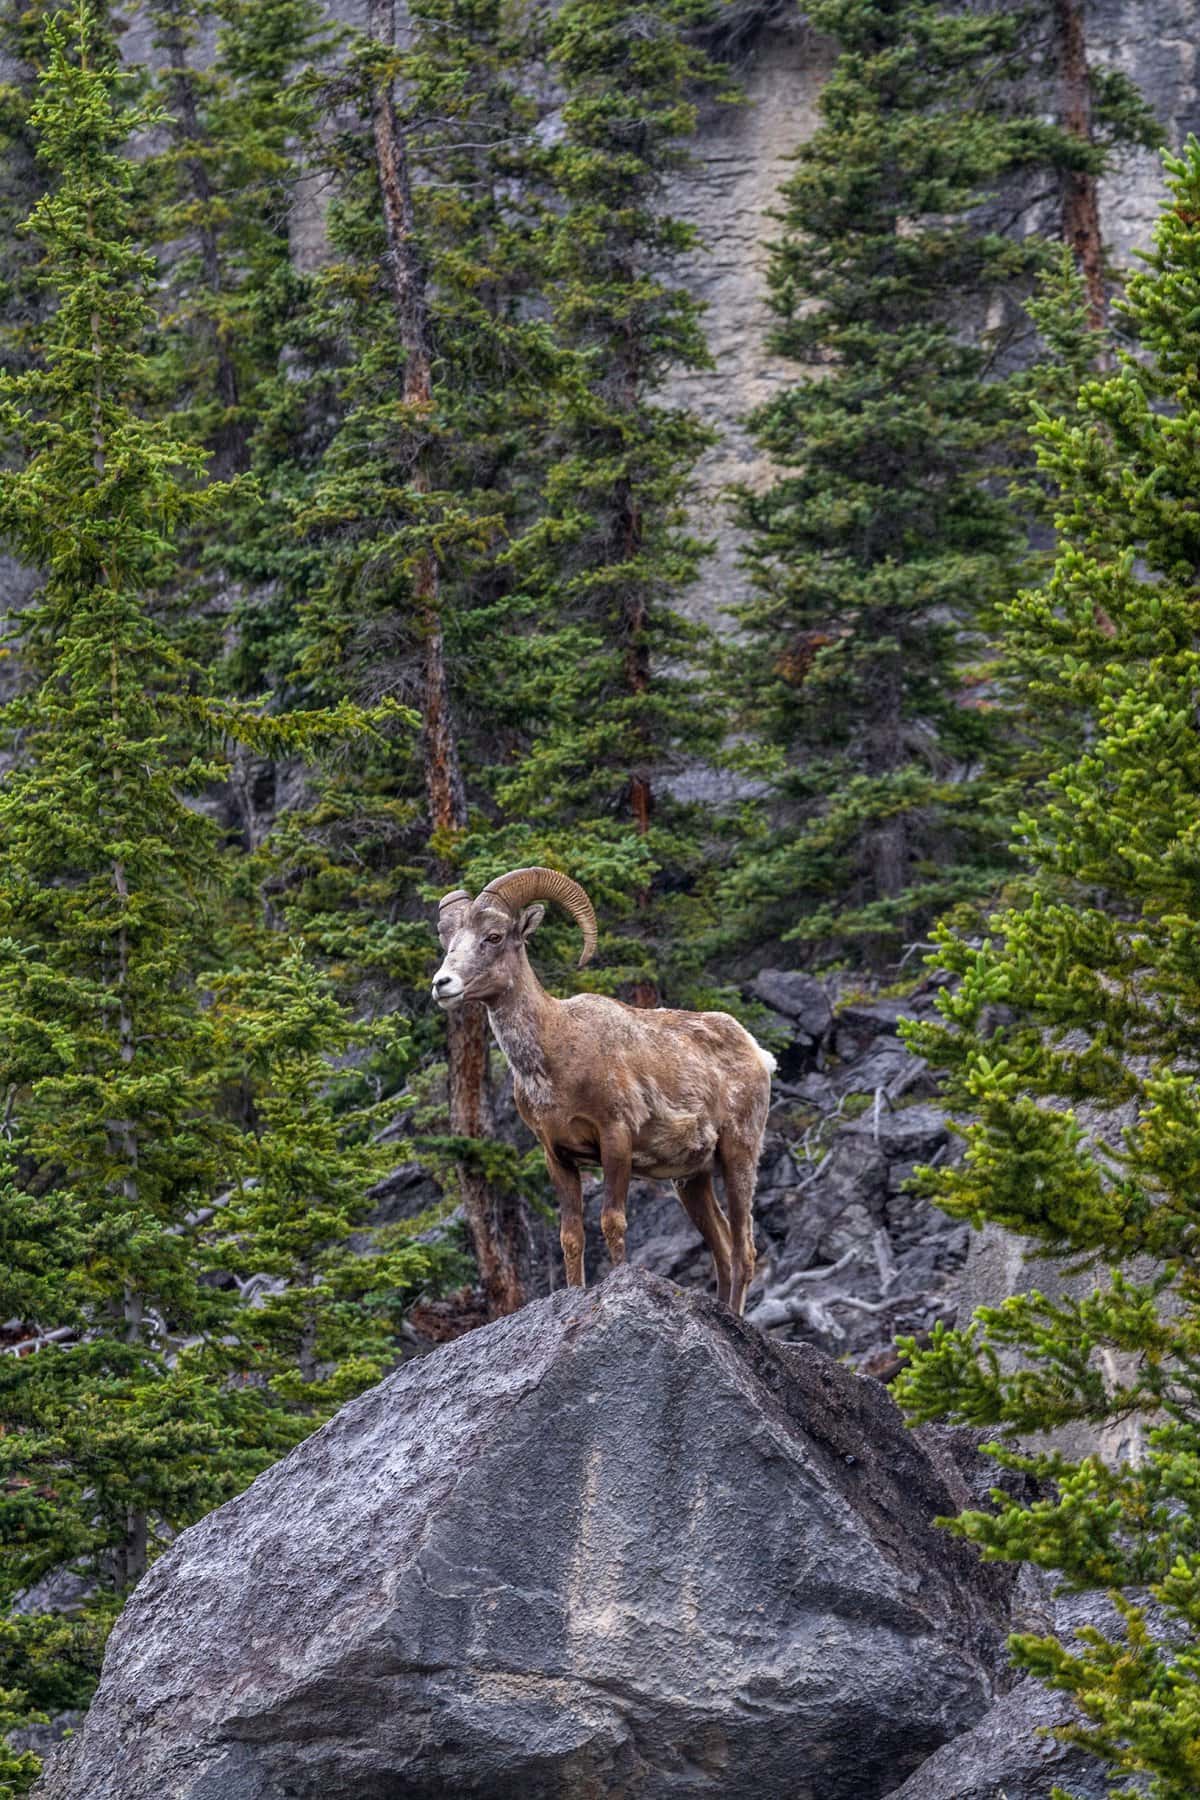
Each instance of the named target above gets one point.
<point>484,939</point>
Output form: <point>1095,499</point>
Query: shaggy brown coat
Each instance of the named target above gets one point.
<point>677,1096</point>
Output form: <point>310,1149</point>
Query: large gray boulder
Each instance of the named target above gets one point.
<point>616,1545</point>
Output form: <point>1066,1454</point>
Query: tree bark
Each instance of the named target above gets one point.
<point>496,1221</point>
<point>128,1557</point>
<point>641,793</point>
<point>888,850</point>
<point>1080,203</point>
<point>637,671</point>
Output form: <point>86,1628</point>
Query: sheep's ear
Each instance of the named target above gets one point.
<point>531,918</point>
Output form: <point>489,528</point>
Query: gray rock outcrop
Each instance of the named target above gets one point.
<point>1010,1756</point>
<point>616,1545</point>
<point>800,998</point>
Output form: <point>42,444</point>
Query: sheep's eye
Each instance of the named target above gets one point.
<point>494,937</point>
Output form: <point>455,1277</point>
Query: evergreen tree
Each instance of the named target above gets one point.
<point>176,1192</point>
<point>424,346</point>
<point>1043,728</point>
<point>20,181</point>
<point>1103,114</point>
<point>220,198</point>
<point>887,538</point>
<point>1084,1101</point>
<point>612,698</point>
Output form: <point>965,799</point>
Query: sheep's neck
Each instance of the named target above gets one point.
<point>520,1019</point>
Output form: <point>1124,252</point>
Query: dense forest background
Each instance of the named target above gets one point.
<point>382,513</point>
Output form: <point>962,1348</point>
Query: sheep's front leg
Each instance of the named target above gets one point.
<point>616,1160</point>
<point>569,1188</point>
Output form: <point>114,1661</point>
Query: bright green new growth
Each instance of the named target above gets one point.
<point>1085,1109</point>
<point>176,1188</point>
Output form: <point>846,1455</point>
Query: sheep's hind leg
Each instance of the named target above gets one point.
<point>699,1201</point>
<point>740,1169</point>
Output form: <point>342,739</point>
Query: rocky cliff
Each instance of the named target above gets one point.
<point>742,156</point>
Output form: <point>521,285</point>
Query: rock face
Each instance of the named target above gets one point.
<point>800,998</point>
<point>616,1545</point>
<point>1005,1758</point>
<point>742,156</point>
<point>1154,43</point>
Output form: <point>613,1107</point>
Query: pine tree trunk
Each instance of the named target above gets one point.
<point>130,1555</point>
<point>1080,207</point>
<point>887,847</point>
<point>637,673</point>
<point>496,1221</point>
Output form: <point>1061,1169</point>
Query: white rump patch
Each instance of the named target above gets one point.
<point>765,1058</point>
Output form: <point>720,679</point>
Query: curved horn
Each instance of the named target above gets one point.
<point>520,887</point>
<point>459,897</point>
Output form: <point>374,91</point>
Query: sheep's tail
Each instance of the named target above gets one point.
<point>765,1058</point>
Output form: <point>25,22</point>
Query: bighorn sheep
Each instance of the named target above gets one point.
<point>674,1095</point>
